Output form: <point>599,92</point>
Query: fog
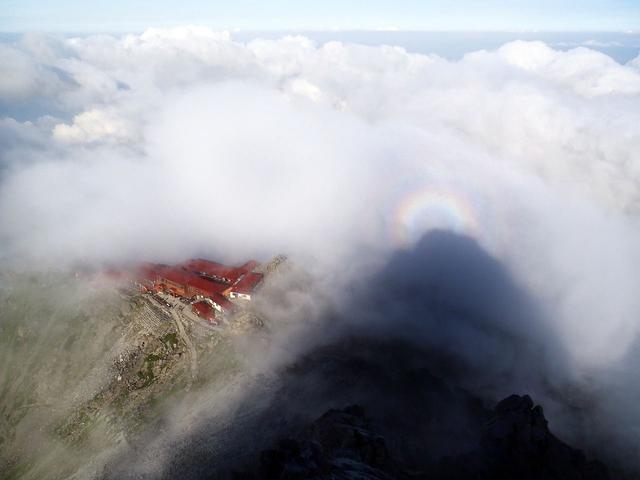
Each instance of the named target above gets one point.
<point>522,161</point>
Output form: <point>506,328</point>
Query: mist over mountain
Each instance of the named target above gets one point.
<point>457,231</point>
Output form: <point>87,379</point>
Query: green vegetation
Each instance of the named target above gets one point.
<point>170,339</point>
<point>55,340</point>
<point>81,371</point>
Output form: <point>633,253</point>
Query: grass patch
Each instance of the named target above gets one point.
<point>170,339</point>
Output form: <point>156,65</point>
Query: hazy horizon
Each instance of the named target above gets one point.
<point>452,45</point>
<point>71,15</point>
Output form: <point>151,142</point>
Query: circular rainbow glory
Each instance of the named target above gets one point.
<point>429,209</point>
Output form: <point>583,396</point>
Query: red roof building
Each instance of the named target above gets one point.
<point>204,310</point>
<point>146,275</point>
<point>214,282</point>
<point>187,284</point>
<point>245,286</point>
<point>204,286</point>
<point>213,270</point>
<point>174,281</point>
<point>222,303</point>
<point>249,266</point>
<point>149,271</point>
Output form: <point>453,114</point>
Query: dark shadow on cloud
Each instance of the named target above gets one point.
<point>451,297</point>
<point>425,345</point>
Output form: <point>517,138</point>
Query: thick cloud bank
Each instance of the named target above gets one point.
<point>182,142</point>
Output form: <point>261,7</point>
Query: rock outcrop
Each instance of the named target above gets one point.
<point>516,443</point>
<point>338,445</point>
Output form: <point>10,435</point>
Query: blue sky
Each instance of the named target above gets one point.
<point>477,15</point>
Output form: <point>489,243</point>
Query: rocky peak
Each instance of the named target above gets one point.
<point>516,443</point>
<point>517,424</point>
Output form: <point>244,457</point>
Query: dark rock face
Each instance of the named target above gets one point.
<point>338,445</point>
<point>515,444</point>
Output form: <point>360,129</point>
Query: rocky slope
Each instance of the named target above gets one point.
<point>515,442</point>
<point>97,385</point>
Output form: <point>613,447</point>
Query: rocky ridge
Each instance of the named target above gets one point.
<point>343,444</point>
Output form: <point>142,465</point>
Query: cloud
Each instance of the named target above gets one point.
<point>588,72</point>
<point>23,76</point>
<point>591,43</point>
<point>185,142</point>
<point>92,126</point>
<point>185,130</point>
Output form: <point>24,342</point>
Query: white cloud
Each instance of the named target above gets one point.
<point>587,72</point>
<point>93,126</point>
<point>22,76</point>
<point>182,141</point>
<point>289,120</point>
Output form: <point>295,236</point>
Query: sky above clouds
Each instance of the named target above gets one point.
<point>121,15</point>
